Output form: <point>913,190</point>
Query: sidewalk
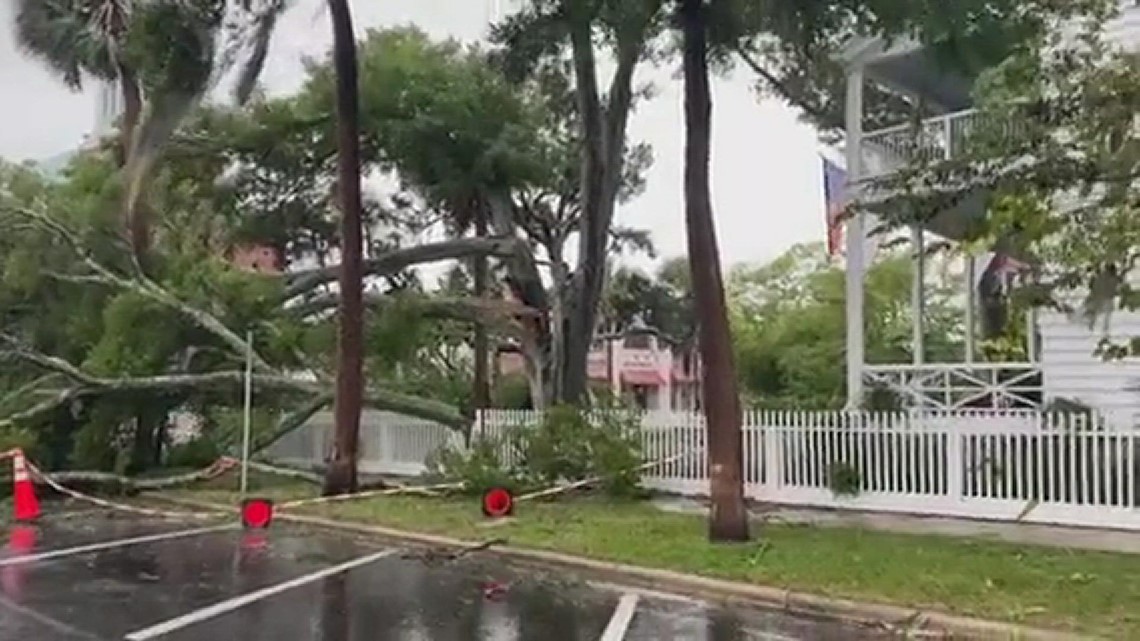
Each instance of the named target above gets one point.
<point>1027,533</point>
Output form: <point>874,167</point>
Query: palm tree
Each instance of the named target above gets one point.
<point>77,38</point>
<point>84,39</point>
<point>341,476</point>
<point>728,518</point>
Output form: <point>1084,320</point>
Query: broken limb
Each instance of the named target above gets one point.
<point>88,386</point>
<point>398,260</point>
<point>139,284</point>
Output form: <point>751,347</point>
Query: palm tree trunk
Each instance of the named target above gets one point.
<point>341,475</point>
<point>137,221</point>
<point>728,518</point>
<point>132,110</point>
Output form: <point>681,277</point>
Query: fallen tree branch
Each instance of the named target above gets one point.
<point>301,475</point>
<point>562,489</point>
<point>139,284</point>
<point>397,260</point>
<point>26,389</point>
<point>503,313</point>
<point>231,380</point>
<point>290,422</point>
<point>53,365</point>
<point>429,490</point>
<point>132,484</point>
<point>443,555</point>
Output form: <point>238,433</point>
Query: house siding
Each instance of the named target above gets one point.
<point>1072,370</point>
<point>1125,28</point>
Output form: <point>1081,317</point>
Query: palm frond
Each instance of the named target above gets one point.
<point>73,37</point>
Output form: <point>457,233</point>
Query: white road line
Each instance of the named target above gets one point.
<point>622,617</point>
<point>108,545</point>
<point>43,619</point>
<point>229,605</point>
<point>646,593</point>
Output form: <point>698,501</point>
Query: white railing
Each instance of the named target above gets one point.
<point>929,140</point>
<point>1000,465</point>
<point>953,386</point>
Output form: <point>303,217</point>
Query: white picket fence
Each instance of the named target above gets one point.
<point>1000,465</point>
<point>390,443</point>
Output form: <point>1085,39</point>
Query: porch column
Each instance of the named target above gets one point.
<point>1031,335</point>
<point>854,239</point>
<point>918,296</point>
<point>971,304</point>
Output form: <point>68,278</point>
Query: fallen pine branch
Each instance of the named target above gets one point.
<point>54,484</point>
<point>431,490</point>
<point>288,472</point>
<point>562,489</point>
<point>439,555</point>
<point>126,483</point>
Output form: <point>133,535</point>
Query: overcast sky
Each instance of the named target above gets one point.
<point>766,175</point>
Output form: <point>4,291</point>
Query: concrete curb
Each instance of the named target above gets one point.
<point>882,616</point>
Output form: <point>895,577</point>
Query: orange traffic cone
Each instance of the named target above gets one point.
<point>23,491</point>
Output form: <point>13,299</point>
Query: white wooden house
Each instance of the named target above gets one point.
<point>1061,363</point>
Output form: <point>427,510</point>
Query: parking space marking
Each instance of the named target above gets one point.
<point>229,605</point>
<point>44,620</point>
<point>622,617</point>
<point>646,593</point>
<point>109,545</point>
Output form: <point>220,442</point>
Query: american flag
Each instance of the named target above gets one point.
<point>835,198</point>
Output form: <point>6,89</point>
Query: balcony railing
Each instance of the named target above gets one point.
<point>930,140</point>
<point>956,386</point>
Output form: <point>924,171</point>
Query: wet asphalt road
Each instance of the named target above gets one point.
<point>225,584</point>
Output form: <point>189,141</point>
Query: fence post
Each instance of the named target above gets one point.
<point>773,442</point>
<point>386,428</point>
<point>955,462</point>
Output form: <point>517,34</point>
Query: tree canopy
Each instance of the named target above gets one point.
<point>788,319</point>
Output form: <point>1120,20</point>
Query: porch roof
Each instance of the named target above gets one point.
<point>905,66</point>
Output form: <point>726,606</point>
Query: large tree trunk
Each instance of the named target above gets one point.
<point>603,150</point>
<point>481,396</point>
<point>341,476</point>
<point>728,519</point>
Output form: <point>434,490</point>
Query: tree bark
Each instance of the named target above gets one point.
<point>581,310</point>
<point>137,221</point>
<point>132,111</point>
<point>728,518</point>
<point>396,260</point>
<point>603,149</point>
<point>482,392</point>
<point>341,477</point>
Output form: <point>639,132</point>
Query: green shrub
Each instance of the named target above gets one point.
<point>196,454</point>
<point>844,479</point>
<point>565,446</point>
<point>12,437</point>
<point>512,392</point>
<point>480,466</point>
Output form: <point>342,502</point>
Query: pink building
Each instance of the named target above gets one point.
<point>647,369</point>
<point>638,365</point>
<point>262,259</point>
